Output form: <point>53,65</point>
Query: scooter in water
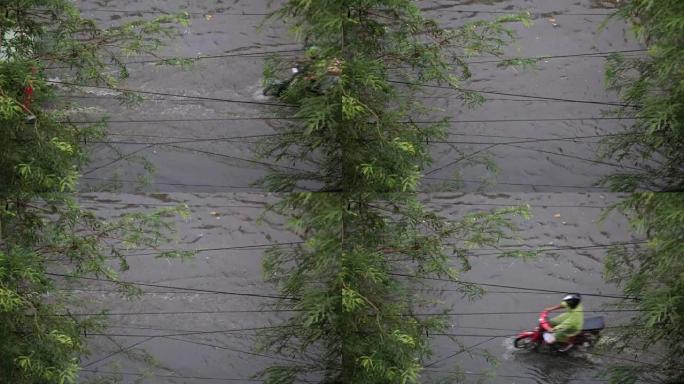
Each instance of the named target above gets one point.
<point>534,339</point>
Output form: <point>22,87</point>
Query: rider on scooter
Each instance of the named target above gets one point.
<point>568,324</point>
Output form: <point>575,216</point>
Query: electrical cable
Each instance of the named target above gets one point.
<point>486,100</point>
<point>443,10</point>
<point>235,118</point>
<point>600,54</point>
<point>498,251</point>
<point>115,373</point>
<point>196,58</point>
<point>616,104</point>
<point>170,144</point>
<point>163,313</point>
<point>218,12</point>
<point>173,337</point>
<point>262,163</point>
<point>292,106</point>
<point>517,184</point>
<point>189,333</point>
<point>187,140</point>
<point>170,184</point>
<point>508,286</point>
<point>97,204</point>
<point>205,98</point>
<point>172,287</point>
<point>590,54</point>
<point>520,312</point>
<point>234,350</point>
<point>566,248</point>
<point>112,162</point>
<point>121,350</point>
<point>576,157</point>
<point>574,139</point>
<point>224,186</point>
<point>239,311</point>
<point>201,250</point>
<point>477,152</point>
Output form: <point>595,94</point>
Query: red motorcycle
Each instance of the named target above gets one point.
<point>534,339</point>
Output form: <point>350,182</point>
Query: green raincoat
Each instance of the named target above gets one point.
<point>569,323</point>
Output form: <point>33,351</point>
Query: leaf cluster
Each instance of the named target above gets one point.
<point>654,275</point>
<point>359,159</point>
<point>654,86</point>
<point>43,230</point>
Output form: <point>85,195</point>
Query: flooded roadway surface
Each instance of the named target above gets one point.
<point>224,228</point>
<point>540,127</point>
<point>541,130</point>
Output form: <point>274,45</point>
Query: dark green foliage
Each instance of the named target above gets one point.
<point>42,228</point>
<point>361,161</point>
<point>655,85</point>
<point>655,273</point>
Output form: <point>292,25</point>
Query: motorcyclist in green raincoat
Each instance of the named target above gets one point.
<point>567,324</point>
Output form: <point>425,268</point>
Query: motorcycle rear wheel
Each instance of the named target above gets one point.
<point>590,340</point>
<point>526,343</point>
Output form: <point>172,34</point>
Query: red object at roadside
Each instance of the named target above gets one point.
<point>28,91</point>
<point>28,97</point>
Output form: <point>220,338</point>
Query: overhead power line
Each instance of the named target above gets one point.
<point>162,313</point>
<point>239,138</point>
<point>493,145</point>
<point>115,373</point>
<point>291,106</point>
<point>231,248</point>
<point>576,139</point>
<point>616,165</point>
<point>224,312</point>
<point>446,179</point>
<point>517,312</point>
<point>169,184</point>
<point>172,145</point>
<point>462,350</point>
<point>513,94</point>
<point>547,57</point>
<point>186,100</point>
<point>229,187</point>
<point>172,287</point>
<point>170,94</point>
<point>238,118</point>
<point>227,12</point>
<point>188,333</point>
<point>443,10</point>
<point>498,251</point>
<point>507,286</point>
<point>237,52</point>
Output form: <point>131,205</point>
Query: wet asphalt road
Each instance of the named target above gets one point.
<point>202,158</point>
<point>208,154</point>
<point>162,318</point>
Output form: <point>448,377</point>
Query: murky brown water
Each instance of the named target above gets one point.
<point>205,172</point>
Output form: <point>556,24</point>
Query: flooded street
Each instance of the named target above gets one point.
<point>540,127</point>
<point>211,333</point>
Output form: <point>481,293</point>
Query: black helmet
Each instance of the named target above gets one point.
<point>572,299</point>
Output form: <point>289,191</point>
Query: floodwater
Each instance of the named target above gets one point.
<point>163,320</point>
<point>540,127</point>
<point>534,137</point>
